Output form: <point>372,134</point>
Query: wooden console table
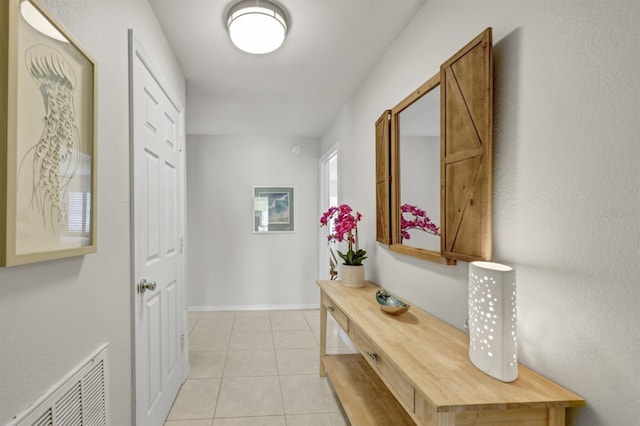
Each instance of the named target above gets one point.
<point>414,368</point>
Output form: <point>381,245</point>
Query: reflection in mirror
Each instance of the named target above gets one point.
<point>419,140</point>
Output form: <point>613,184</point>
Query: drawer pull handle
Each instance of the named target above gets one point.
<point>374,357</point>
<point>330,309</point>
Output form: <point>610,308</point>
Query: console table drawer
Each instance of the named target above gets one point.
<point>401,388</point>
<point>337,313</point>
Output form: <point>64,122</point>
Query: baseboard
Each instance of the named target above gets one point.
<point>252,308</point>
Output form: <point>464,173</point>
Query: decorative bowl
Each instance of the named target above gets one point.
<point>391,304</point>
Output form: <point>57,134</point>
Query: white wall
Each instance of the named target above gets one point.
<point>228,265</point>
<point>566,200</point>
<point>55,314</point>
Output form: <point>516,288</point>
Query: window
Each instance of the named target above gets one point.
<point>78,213</point>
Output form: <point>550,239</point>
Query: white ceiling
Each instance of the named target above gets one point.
<point>295,91</point>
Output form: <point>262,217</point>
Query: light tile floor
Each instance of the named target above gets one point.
<point>254,368</point>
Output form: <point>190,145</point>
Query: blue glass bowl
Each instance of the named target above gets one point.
<point>391,304</point>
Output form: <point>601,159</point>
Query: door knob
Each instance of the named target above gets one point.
<point>145,285</point>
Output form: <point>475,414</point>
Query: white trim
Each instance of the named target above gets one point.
<point>252,308</point>
<point>323,201</point>
<point>333,149</point>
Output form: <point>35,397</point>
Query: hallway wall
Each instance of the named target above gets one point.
<point>566,201</point>
<point>229,266</point>
<point>55,314</point>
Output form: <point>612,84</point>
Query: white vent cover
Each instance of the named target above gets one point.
<point>78,400</point>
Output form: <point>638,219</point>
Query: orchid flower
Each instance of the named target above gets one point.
<point>420,221</point>
<point>345,228</point>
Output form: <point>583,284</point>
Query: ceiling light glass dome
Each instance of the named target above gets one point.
<point>256,26</point>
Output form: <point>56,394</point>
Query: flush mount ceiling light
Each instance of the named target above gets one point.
<point>256,26</point>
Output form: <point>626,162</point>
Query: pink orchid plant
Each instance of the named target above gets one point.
<point>418,221</point>
<point>345,228</point>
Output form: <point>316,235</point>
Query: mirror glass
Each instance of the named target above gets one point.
<point>419,154</point>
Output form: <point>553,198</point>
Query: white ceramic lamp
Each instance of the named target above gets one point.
<point>493,346</point>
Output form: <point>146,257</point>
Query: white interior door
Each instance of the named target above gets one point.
<point>157,177</point>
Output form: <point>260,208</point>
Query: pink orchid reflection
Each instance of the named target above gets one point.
<point>419,221</point>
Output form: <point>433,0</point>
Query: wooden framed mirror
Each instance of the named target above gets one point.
<point>441,161</point>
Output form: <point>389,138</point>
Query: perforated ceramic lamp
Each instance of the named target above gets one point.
<point>493,346</point>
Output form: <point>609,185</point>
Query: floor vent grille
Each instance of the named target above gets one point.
<point>78,400</point>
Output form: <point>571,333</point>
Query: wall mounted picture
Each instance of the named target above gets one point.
<point>273,209</point>
<point>47,138</point>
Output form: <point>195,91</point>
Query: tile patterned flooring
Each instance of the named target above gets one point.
<point>257,368</point>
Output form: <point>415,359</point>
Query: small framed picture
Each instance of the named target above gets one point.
<point>273,209</point>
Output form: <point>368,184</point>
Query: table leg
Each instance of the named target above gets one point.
<point>557,416</point>
<point>323,335</point>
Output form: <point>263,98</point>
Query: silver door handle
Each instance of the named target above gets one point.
<point>145,285</point>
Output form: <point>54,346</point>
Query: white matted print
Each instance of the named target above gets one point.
<point>273,209</point>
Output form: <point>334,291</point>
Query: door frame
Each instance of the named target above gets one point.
<point>323,203</point>
<point>137,52</point>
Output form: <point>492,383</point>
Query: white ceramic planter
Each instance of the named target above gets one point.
<point>352,275</point>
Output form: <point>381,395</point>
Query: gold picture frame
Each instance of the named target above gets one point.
<point>48,156</point>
